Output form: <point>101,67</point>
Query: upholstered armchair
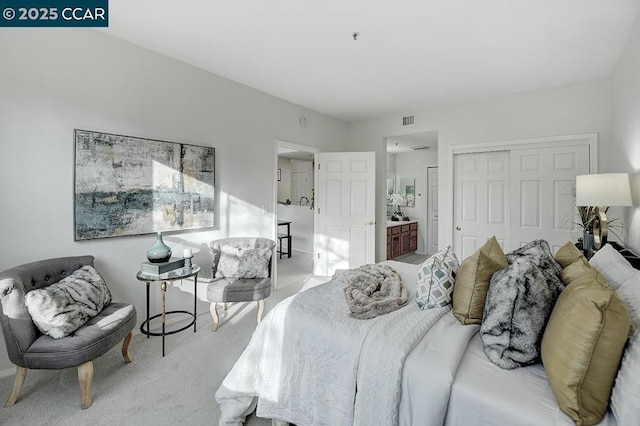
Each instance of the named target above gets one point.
<point>29,348</point>
<point>242,273</point>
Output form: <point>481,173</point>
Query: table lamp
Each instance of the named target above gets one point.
<point>602,191</point>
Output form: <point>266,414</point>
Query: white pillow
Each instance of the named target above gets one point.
<point>625,397</point>
<point>629,292</point>
<point>436,277</point>
<point>61,308</point>
<point>612,265</point>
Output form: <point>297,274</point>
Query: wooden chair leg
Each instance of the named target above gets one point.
<point>85,378</point>
<point>214,313</point>
<point>18,381</point>
<point>260,310</point>
<point>125,348</point>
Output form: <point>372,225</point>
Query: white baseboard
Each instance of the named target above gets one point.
<point>7,373</point>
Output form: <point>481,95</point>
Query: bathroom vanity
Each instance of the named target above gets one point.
<point>402,238</point>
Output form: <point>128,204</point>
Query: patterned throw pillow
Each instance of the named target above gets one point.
<point>243,262</point>
<point>61,308</point>
<point>436,277</point>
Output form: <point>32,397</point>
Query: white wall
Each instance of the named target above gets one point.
<point>625,151</point>
<point>55,80</point>
<point>577,108</point>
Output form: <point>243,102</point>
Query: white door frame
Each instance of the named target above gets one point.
<point>288,145</point>
<point>427,206</point>
<point>589,139</point>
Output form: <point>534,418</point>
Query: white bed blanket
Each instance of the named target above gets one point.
<point>308,355</point>
<point>429,372</point>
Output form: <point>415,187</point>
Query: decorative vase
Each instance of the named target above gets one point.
<point>587,241</point>
<point>160,252</point>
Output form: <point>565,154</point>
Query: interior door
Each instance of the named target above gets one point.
<point>432,210</point>
<point>481,200</point>
<point>345,231</point>
<point>542,182</point>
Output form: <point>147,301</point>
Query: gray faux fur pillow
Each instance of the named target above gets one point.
<point>61,308</point>
<point>518,305</point>
<point>243,262</point>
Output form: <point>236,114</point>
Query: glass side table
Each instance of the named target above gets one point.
<point>163,279</point>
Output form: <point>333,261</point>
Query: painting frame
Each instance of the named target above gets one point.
<point>129,185</point>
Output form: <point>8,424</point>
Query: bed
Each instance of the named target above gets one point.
<point>308,357</point>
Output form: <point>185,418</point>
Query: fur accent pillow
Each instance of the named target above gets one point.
<point>540,255</point>
<point>243,262</point>
<point>61,308</point>
<point>436,277</point>
<point>519,303</point>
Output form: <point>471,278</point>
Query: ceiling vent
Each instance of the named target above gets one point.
<point>409,120</point>
<point>420,148</point>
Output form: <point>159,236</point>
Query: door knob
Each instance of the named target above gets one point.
<point>370,223</point>
<point>458,228</point>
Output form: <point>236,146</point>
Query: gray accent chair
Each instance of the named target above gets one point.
<point>29,348</point>
<point>232,289</point>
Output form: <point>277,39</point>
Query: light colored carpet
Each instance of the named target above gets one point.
<point>176,389</point>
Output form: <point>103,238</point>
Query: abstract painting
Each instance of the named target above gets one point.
<point>127,185</point>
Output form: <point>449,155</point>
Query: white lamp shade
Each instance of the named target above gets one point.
<point>606,189</point>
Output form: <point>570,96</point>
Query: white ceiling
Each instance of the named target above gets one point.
<point>407,143</point>
<point>411,54</point>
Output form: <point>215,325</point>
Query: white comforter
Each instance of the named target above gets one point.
<point>308,356</point>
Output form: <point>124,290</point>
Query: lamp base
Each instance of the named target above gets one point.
<point>600,228</point>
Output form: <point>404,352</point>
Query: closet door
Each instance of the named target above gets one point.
<point>481,200</point>
<point>542,185</point>
<point>519,196</point>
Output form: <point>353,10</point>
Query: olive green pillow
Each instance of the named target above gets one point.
<point>583,344</point>
<point>567,254</point>
<point>472,281</point>
<point>576,269</point>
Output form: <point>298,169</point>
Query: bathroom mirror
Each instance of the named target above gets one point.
<point>407,188</point>
<point>391,185</point>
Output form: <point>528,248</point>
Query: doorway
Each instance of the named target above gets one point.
<point>432,210</point>
<point>293,213</point>
<point>412,157</point>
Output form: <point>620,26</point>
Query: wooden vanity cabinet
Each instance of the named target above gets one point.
<point>401,239</point>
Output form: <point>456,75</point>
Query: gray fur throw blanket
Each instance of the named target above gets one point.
<point>372,290</point>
